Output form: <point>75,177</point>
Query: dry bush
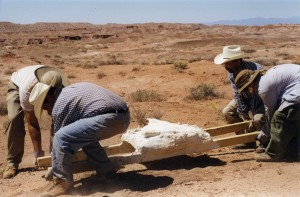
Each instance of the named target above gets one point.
<point>157,114</point>
<point>139,115</point>
<point>136,68</point>
<point>100,75</point>
<point>180,66</point>
<point>71,76</point>
<point>87,65</point>
<point>249,50</point>
<point>145,96</point>
<point>203,91</point>
<point>122,73</point>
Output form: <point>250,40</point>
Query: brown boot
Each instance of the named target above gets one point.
<point>265,157</point>
<point>59,187</point>
<point>10,171</point>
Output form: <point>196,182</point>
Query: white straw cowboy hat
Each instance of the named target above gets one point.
<point>230,53</point>
<point>48,78</point>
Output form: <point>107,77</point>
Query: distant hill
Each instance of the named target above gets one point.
<point>257,21</point>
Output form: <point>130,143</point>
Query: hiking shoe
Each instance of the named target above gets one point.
<point>106,171</point>
<point>9,172</point>
<point>265,157</point>
<point>59,187</point>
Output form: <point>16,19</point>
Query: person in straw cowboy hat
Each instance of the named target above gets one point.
<point>279,89</point>
<point>237,110</point>
<point>18,106</point>
<point>83,114</point>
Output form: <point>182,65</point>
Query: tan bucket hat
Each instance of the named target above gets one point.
<point>230,53</point>
<point>48,78</point>
<point>245,78</point>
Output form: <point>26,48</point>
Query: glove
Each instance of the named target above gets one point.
<point>36,155</point>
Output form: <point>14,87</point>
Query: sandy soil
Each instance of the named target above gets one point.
<point>140,57</point>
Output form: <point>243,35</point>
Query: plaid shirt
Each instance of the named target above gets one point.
<point>83,100</point>
<point>243,105</point>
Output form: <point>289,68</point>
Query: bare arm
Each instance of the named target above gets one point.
<point>34,131</point>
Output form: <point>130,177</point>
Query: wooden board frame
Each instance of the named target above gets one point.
<point>123,153</point>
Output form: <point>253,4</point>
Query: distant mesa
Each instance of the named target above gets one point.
<point>257,21</point>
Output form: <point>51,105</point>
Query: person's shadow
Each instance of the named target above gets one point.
<point>139,180</point>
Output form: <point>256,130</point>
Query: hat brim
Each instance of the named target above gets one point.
<point>220,59</point>
<point>44,69</point>
<point>37,98</point>
<point>249,82</point>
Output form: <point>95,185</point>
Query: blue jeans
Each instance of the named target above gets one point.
<point>86,134</point>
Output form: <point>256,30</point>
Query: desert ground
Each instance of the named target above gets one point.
<point>167,61</point>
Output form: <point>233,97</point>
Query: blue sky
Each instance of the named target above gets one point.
<point>142,11</point>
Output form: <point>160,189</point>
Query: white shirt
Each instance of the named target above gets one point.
<point>280,87</point>
<point>25,80</point>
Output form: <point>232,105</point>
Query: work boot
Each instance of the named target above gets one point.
<point>106,170</point>
<point>10,171</point>
<point>59,187</point>
<point>265,157</point>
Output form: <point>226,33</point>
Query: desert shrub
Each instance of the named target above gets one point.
<point>136,68</point>
<point>203,91</point>
<point>122,73</point>
<point>3,108</point>
<point>87,65</point>
<point>145,96</point>
<point>249,50</point>
<point>180,66</point>
<point>157,114</point>
<point>139,115</point>
<point>71,76</point>
<point>100,75</point>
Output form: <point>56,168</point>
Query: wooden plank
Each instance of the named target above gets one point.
<point>121,148</point>
<point>240,126</point>
<point>237,139</point>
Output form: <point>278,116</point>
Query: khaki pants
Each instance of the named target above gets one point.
<point>285,131</point>
<point>232,116</point>
<point>16,127</point>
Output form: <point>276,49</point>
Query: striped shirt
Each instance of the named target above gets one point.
<point>243,106</point>
<point>83,100</point>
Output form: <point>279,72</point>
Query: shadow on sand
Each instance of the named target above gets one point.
<point>133,181</point>
<point>139,180</point>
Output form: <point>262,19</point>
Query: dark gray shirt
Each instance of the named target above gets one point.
<point>83,100</point>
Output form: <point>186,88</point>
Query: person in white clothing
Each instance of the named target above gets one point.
<point>18,106</point>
